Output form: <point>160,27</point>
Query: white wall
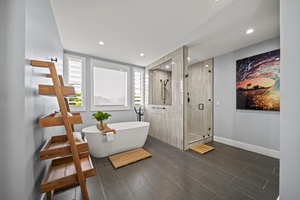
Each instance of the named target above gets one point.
<point>290,107</point>
<point>117,116</point>
<point>42,43</point>
<point>253,130</point>
<point>12,39</point>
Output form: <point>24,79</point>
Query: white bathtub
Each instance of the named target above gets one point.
<point>129,135</point>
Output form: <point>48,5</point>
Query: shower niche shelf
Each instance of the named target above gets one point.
<point>160,84</point>
<point>58,146</point>
<point>74,163</point>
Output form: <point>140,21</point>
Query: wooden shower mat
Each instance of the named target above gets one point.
<point>122,159</point>
<point>202,148</point>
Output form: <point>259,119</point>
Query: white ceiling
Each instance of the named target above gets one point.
<point>156,27</point>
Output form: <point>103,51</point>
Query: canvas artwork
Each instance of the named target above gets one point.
<point>258,82</point>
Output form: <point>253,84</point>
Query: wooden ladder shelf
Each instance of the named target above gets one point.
<point>74,163</point>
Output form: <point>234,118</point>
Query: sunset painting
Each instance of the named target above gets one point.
<point>258,82</point>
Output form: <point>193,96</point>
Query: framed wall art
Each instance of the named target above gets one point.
<point>258,82</point>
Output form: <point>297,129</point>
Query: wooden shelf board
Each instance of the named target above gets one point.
<point>50,120</point>
<point>58,146</point>
<point>62,172</point>
<point>49,90</point>
<point>38,63</point>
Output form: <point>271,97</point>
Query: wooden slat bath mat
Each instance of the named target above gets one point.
<point>122,159</point>
<point>202,148</point>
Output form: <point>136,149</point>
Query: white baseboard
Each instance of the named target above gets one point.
<point>278,198</point>
<point>248,147</point>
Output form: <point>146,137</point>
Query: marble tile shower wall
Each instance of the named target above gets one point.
<point>167,124</point>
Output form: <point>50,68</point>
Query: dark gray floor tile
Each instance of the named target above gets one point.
<point>221,153</point>
<point>247,155</point>
<point>276,170</point>
<point>251,190</point>
<point>165,167</point>
<point>192,187</point>
<point>147,193</point>
<point>163,185</point>
<point>236,168</point>
<point>217,198</point>
<point>117,191</point>
<point>268,160</point>
<point>272,187</point>
<point>260,161</point>
<point>262,173</point>
<point>213,160</point>
<point>188,170</point>
<point>101,162</point>
<point>253,179</point>
<point>187,157</point>
<point>180,195</point>
<point>134,180</point>
<point>67,194</point>
<point>181,164</point>
<point>223,175</point>
<point>233,166</point>
<point>108,175</point>
<point>94,188</point>
<point>221,188</point>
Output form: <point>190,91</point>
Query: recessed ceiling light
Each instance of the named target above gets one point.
<point>142,54</point>
<point>189,58</point>
<point>167,66</point>
<point>216,0</point>
<point>206,65</point>
<point>101,43</point>
<point>249,31</point>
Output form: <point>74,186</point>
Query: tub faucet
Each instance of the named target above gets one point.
<point>139,114</point>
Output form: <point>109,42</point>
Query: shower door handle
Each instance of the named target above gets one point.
<point>201,106</point>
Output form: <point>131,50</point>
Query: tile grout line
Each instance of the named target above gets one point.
<point>232,180</point>
<point>98,174</point>
<point>124,179</point>
<point>266,184</point>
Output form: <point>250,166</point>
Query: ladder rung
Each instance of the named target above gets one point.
<point>50,90</point>
<point>38,63</point>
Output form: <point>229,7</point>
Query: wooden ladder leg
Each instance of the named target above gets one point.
<point>49,195</point>
<point>69,131</point>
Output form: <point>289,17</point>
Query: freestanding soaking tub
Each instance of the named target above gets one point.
<point>129,135</point>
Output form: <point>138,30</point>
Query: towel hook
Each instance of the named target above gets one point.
<point>53,59</point>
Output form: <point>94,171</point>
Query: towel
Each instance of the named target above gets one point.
<point>77,136</point>
<point>110,136</point>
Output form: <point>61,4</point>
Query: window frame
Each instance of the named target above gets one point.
<point>68,57</point>
<point>141,70</point>
<point>110,66</point>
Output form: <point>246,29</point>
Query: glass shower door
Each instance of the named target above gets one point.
<point>199,109</point>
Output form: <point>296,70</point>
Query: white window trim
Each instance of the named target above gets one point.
<point>114,66</point>
<point>83,86</point>
<point>142,70</point>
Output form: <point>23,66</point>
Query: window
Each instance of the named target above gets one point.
<point>138,86</point>
<point>74,68</point>
<point>110,86</point>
